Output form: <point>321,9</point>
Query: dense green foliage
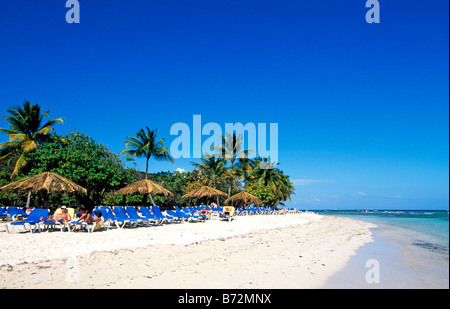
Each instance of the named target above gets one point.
<point>26,131</point>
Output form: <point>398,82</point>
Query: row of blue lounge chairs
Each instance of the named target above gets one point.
<point>122,216</point>
<point>12,213</point>
<point>117,216</point>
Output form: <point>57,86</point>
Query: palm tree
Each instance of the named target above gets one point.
<point>211,168</point>
<point>25,133</point>
<point>145,144</point>
<point>274,179</point>
<point>245,169</point>
<point>231,150</point>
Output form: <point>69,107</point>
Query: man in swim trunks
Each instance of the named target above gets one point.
<point>62,217</point>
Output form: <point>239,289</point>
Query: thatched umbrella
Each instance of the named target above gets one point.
<point>48,182</point>
<point>245,198</point>
<point>144,186</point>
<point>204,191</point>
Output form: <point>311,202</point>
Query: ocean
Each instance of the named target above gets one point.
<point>412,244</point>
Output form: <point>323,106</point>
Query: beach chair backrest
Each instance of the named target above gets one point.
<point>120,212</point>
<point>132,212</point>
<point>69,209</point>
<point>106,212</point>
<point>12,211</point>
<point>156,211</point>
<point>176,214</point>
<point>228,209</point>
<point>2,211</point>
<point>37,213</point>
<point>146,212</point>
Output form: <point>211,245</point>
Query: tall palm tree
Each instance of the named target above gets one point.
<point>232,150</point>
<point>25,133</point>
<point>245,169</point>
<point>145,144</point>
<point>274,179</point>
<point>212,168</point>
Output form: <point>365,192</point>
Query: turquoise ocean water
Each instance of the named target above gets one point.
<point>422,237</point>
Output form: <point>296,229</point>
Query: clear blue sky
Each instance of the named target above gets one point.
<point>362,108</point>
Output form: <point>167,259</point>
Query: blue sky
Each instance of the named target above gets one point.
<point>362,109</point>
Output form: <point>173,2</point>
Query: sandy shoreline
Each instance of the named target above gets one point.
<point>290,251</point>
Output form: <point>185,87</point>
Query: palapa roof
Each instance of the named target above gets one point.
<point>48,181</point>
<point>144,186</point>
<point>204,191</point>
<point>245,198</point>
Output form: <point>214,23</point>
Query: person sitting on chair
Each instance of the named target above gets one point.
<point>62,217</point>
<point>204,211</point>
<point>97,219</point>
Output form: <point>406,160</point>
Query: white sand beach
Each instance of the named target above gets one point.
<point>266,251</point>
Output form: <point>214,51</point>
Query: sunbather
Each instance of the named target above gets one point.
<point>226,211</point>
<point>214,206</point>
<point>97,219</point>
<point>204,211</point>
<point>62,217</point>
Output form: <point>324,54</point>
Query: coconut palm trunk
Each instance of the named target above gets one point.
<point>146,145</point>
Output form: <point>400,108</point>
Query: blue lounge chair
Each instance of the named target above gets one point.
<point>191,212</point>
<point>146,213</point>
<point>122,216</point>
<point>33,219</point>
<point>240,211</point>
<point>14,213</point>
<point>177,217</point>
<point>133,214</point>
<point>109,217</point>
<point>158,214</point>
<point>3,213</point>
<point>187,214</point>
<point>263,210</point>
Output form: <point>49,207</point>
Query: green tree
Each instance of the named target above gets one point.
<point>262,192</point>
<point>79,158</point>
<point>26,131</point>
<point>268,175</point>
<point>211,168</point>
<point>146,145</point>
